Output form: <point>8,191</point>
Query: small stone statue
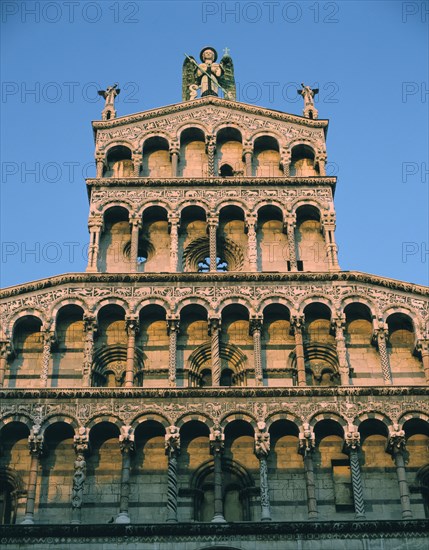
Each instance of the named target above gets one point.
<point>109,95</point>
<point>308,94</point>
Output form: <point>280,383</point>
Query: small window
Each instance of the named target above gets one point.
<point>226,171</point>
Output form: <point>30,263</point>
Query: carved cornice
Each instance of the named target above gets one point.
<point>203,181</point>
<point>244,392</point>
<point>211,532</point>
<point>202,102</point>
<point>210,278</point>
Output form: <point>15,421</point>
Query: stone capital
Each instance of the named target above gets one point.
<point>131,324</point>
<point>396,441</point>
<point>126,439</point>
<point>81,440</point>
<point>262,443</point>
<point>297,323</point>
<point>351,440</point>
<point>217,441</point>
<point>214,323</point>
<point>36,442</point>
<point>173,323</point>
<point>255,323</point>
<point>172,441</point>
<point>307,440</point>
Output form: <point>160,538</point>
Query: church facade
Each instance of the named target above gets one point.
<point>214,379</point>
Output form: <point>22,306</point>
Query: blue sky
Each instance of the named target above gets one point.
<point>369,59</point>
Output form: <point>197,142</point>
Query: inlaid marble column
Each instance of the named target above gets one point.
<point>81,446</point>
<point>175,156</point>
<point>95,225</point>
<point>285,160</point>
<point>328,230</point>
<point>307,444</point>
<point>48,342</point>
<point>137,163</point>
<point>212,223</point>
<point>381,335</point>
<point>290,222</point>
<point>5,353</point>
<point>211,151</point>
<point>132,327</point>
<point>173,325</point>
<point>35,445</point>
<point>255,326</point>
<point>351,447</point>
<point>172,450</point>
<point>338,325</point>
<point>423,348</point>
<point>214,333</point>
<point>217,444</point>
<point>248,157</point>
<point>90,329</point>
<point>396,447</point>
<point>262,449</point>
<point>251,224</point>
<point>297,328</point>
<point>126,444</point>
<point>173,227</point>
<point>136,224</point>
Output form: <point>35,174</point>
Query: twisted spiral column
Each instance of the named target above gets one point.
<point>381,334</point>
<point>211,150</point>
<point>172,450</point>
<point>214,329</point>
<point>251,243</point>
<point>351,444</point>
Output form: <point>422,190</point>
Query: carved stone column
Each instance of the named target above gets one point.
<point>126,444</point>
<point>5,353</point>
<point>328,229</point>
<point>214,333</point>
<point>136,224</point>
<point>90,329</point>
<point>95,225</point>
<point>35,444</point>
<point>351,447</point>
<point>81,446</point>
<point>262,449</point>
<point>307,444</point>
<point>285,160</point>
<point>396,447</point>
<point>217,443</point>
<point>173,227</point>
<point>338,325</point>
<point>137,162</point>
<point>48,341</point>
<point>211,150</point>
<point>99,162</point>
<point>297,327</point>
<point>381,335</point>
<point>251,223</point>
<point>423,347</point>
<point>291,243</point>
<point>248,154</point>
<point>174,156</point>
<point>212,224</point>
<point>172,331</point>
<point>321,161</point>
<point>255,326</point>
<point>132,327</point>
<point>172,450</point>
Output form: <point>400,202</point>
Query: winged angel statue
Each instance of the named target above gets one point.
<point>208,76</point>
